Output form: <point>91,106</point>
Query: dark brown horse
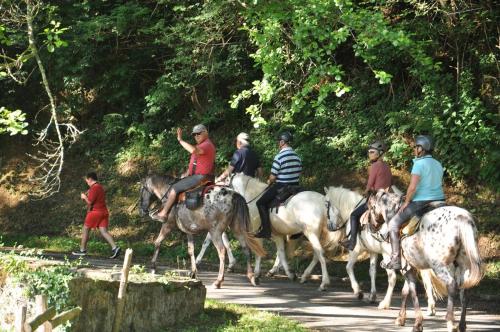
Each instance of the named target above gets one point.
<point>221,208</point>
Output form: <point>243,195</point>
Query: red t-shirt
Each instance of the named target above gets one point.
<point>379,176</point>
<point>204,162</point>
<point>97,198</point>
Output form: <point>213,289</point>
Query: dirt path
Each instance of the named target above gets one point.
<point>333,310</point>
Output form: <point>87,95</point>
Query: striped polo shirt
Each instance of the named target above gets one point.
<point>287,166</point>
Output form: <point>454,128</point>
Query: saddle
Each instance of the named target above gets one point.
<point>412,226</point>
<point>284,195</point>
<point>193,198</point>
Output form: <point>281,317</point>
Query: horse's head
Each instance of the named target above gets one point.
<point>145,198</point>
<point>333,219</point>
<point>382,206</point>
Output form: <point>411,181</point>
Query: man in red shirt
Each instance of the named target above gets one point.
<point>201,166</point>
<point>97,215</point>
<point>379,177</point>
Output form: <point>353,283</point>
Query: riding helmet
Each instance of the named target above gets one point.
<point>425,141</point>
<point>379,146</point>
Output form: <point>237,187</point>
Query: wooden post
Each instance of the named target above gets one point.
<point>41,307</point>
<point>65,316</point>
<point>39,320</point>
<point>20,318</point>
<point>121,291</point>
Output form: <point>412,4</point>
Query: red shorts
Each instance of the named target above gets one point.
<point>96,219</point>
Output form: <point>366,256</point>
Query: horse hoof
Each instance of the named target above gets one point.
<point>322,288</point>
<point>230,269</point>
<point>216,285</point>
<point>360,295</point>
<point>257,280</point>
<point>252,281</point>
<point>431,312</point>
<point>270,274</point>
<point>383,306</point>
<point>373,298</point>
<point>192,275</point>
<point>400,321</point>
<point>418,328</point>
<point>292,277</point>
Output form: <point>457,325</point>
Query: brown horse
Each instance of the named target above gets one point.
<point>221,208</point>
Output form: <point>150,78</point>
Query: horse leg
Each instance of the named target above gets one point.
<point>276,266</point>
<point>431,303</point>
<point>221,250</point>
<point>400,320</point>
<point>412,278</point>
<point>248,256</point>
<point>280,247</point>
<point>190,238</point>
<point>373,275</point>
<point>444,273</point>
<point>204,246</point>
<point>307,272</point>
<point>463,302</point>
<point>318,250</point>
<point>258,260</point>
<point>353,258</point>
<point>166,228</point>
<point>391,279</point>
<point>227,244</point>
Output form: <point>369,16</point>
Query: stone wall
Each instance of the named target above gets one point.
<point>149,306</point>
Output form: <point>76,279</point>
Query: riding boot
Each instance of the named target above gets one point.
<point>265,228</point>
<point>395,262</point>
<point>350,243</point>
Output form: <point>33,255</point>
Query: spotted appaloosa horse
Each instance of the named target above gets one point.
<point>346,201</point>
<point>446,242</point>
<point>222,208</point>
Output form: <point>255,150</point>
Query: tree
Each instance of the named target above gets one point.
<point>51,140</point>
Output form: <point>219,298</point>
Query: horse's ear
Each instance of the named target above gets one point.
<point>326,190</point>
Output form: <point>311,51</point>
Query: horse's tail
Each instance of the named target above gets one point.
<point>468,238</point>
<point>240,224</point>
<point>438,287</point>
<point>330,240</point>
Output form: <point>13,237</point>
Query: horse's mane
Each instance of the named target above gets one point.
<point>157,181</point>
<point>344,199</point>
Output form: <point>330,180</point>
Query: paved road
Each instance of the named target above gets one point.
<point>333,310</point>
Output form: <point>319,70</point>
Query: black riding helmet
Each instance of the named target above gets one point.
<point>285,136</point>
<point>379,146</point>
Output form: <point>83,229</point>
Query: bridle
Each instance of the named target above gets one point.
<point>328,204</point>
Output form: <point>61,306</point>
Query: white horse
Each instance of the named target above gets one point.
<point>446,242</point>
<point>346,201</point>
<point>307,212</point>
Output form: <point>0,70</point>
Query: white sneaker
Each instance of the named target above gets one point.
<point>79,252</point>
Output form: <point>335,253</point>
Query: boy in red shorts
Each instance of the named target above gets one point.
<point>97,216</point>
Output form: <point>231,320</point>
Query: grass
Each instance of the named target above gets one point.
<point>224,317</point>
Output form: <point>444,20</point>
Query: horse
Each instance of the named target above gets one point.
<point>346,201</point>
<point>446,242</point>
<point>221,208</point>
<point>307,212</point>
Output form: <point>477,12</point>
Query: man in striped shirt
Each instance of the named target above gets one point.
<point>286,170</point>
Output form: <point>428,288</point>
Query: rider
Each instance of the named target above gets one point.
<point>379,177</point>
<point>426,185</point>
<point>201,166</point>
<point>286,170</point>
<point>244,159</point>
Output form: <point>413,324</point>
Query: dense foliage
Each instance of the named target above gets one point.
<point>338,73</point>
